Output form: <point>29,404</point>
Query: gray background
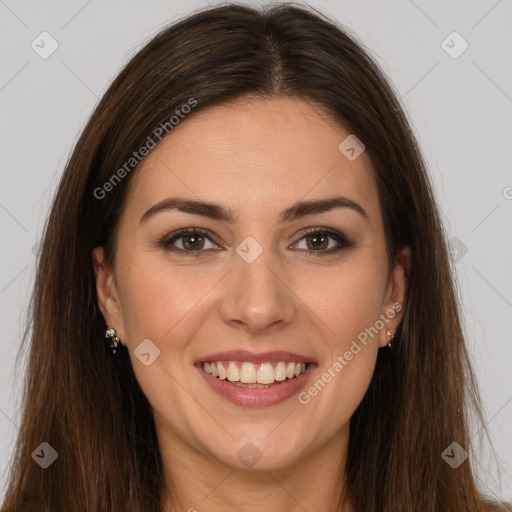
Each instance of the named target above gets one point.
<point>461,109</point>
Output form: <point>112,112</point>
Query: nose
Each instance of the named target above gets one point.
<point>257,297</point>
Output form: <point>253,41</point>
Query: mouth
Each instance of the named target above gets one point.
<point>250,375</point>
<point>256,380</point>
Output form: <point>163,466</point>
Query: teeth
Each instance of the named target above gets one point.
<point>248,373</point>
<point>233,372</point>
<point>259,375</point>
<point>240,384</point>
<point>222,371</point>
<point>265,374</point>
<point>280,370</point>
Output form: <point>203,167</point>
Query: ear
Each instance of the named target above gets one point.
<point>394,297</point>
<point>108,299</point>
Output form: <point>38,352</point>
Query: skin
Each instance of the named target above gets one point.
<point>257,157</point>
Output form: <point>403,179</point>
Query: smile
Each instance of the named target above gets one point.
<point>248,379</point>
<point>246,374</point>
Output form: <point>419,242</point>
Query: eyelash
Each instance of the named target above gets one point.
<point>340,238</point>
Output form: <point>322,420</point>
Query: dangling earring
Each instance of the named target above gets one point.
<point>389,337</point>
<point>113,339</point>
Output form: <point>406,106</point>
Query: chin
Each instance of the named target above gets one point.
<point>249,457</point>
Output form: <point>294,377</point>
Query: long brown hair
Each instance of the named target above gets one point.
<point>88,405</point>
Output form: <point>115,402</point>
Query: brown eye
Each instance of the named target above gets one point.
<point>188,242</point>
<point>318,242</point>
<point>192,241</point>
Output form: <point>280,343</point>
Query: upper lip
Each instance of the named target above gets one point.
<point>251,357</point>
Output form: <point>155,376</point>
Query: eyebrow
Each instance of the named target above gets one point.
<point>218,212</point>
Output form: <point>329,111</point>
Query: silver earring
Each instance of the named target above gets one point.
<point>389,337</point>
<point>113,340</point>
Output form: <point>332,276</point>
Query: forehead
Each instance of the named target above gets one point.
<point>254,154</point>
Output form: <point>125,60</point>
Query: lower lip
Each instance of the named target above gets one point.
<point>257,397</point>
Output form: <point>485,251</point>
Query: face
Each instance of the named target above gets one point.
<point>269,281</point>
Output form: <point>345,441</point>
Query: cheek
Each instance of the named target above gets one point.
<point>351,384</point>
<point>160,304</point>
<point>348,301</point>
<point>156,298</point>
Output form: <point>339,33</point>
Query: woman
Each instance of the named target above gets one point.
<point>244,299</point>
